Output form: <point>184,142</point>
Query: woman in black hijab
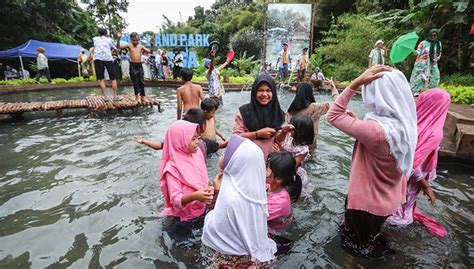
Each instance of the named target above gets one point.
<point>304,105</point>
<point>260,119</point>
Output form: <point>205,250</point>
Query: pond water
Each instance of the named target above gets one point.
<point>78,192</point>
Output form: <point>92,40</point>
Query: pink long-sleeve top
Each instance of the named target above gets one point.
<point>264,144</point>
<point>278,204</point>
<point>375,183</point>
<point>176,191</point>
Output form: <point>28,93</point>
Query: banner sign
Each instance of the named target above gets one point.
<point>181,41</point>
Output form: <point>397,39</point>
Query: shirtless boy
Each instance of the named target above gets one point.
<point>189,95</point>
<point>136,68</point>
<point>210,106</point>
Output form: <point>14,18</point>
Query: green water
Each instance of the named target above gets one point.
<point>78,192</point>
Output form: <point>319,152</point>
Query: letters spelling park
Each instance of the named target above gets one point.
<point>176,40</point>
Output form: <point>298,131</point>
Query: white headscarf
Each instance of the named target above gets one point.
<point>389,101</point>
<point>238,223</point>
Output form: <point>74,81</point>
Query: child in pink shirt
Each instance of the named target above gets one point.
<point>183,173</point>
<point>284,185</point>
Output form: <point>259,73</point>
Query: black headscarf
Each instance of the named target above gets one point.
<point>257,116</point>
<point>303,98</point>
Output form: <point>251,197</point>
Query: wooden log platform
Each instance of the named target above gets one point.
<point>93,103</point>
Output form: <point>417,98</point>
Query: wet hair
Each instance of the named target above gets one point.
<point>208,105</point>
<point>283,165</point>
<point>186,74</point>
<point>304,130</point>
<point>102,31</point>
<point>195,115</point>
<point>134,34</point>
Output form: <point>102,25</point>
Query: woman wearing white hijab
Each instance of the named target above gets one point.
<point>382,158</point>
<point>236,229</point>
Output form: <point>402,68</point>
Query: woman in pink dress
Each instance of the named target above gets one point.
<point>431,108</point>
<point>382,157</point>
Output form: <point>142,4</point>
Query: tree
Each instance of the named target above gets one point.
<point>54,21</point>
<point>106,12</point>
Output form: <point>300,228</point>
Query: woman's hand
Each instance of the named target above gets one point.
<point>368,76</point>
<point>205,195</point>
<point>266,132</point>
<point>428,192</point>
<point>138,139</point>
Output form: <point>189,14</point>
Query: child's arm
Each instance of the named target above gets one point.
<point>220,135</point>
<point>204,196</point>
<point>224,65</point>
<point>147,50</point>
<point>299,159</point>
<point>179,199</point>
<point>119,35</point>
<point>425,185</point>
<point>180,105</point>
<point>154,145</point>
<point>285,129</point>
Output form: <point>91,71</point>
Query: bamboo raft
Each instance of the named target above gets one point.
<point>93,103</point>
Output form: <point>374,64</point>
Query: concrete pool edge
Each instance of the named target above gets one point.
<point>12,89</point>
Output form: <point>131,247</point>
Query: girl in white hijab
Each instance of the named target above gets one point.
<point>236,229</point>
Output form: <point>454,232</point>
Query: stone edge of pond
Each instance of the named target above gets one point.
<point>11,89</point>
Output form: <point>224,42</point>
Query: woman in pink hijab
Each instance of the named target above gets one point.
<point>431,109</point>
<point>183,173</point>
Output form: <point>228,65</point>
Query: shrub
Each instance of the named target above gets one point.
<point>460,94</point>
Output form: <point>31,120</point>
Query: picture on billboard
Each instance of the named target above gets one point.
<point>290,23</point>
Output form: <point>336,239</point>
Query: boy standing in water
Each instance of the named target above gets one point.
<point>210,106</point>
<point>189,95</point>
<point>136,68</point>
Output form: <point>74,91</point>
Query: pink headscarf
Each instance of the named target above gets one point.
<point>431,109</point>
<point>188,168</point>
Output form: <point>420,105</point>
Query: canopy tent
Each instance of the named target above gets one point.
<point>53,51</point>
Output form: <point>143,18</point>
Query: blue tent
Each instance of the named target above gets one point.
<point>53,50</point>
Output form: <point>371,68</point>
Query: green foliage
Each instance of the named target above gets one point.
<point>347,45</point>
<point>54,21</point>
<point>460,94</point>
<point>458,79</point>
<point>246,65</point>
<point>107,13</point>
<point>43,80</point>
<point>233,23</point>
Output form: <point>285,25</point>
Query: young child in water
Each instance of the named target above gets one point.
<point>210,106</point>
<point>283,184</point>
<point>297,141</point>
<point>183,173</point>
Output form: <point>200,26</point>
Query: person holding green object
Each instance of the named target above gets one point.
<point>425,74</point>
